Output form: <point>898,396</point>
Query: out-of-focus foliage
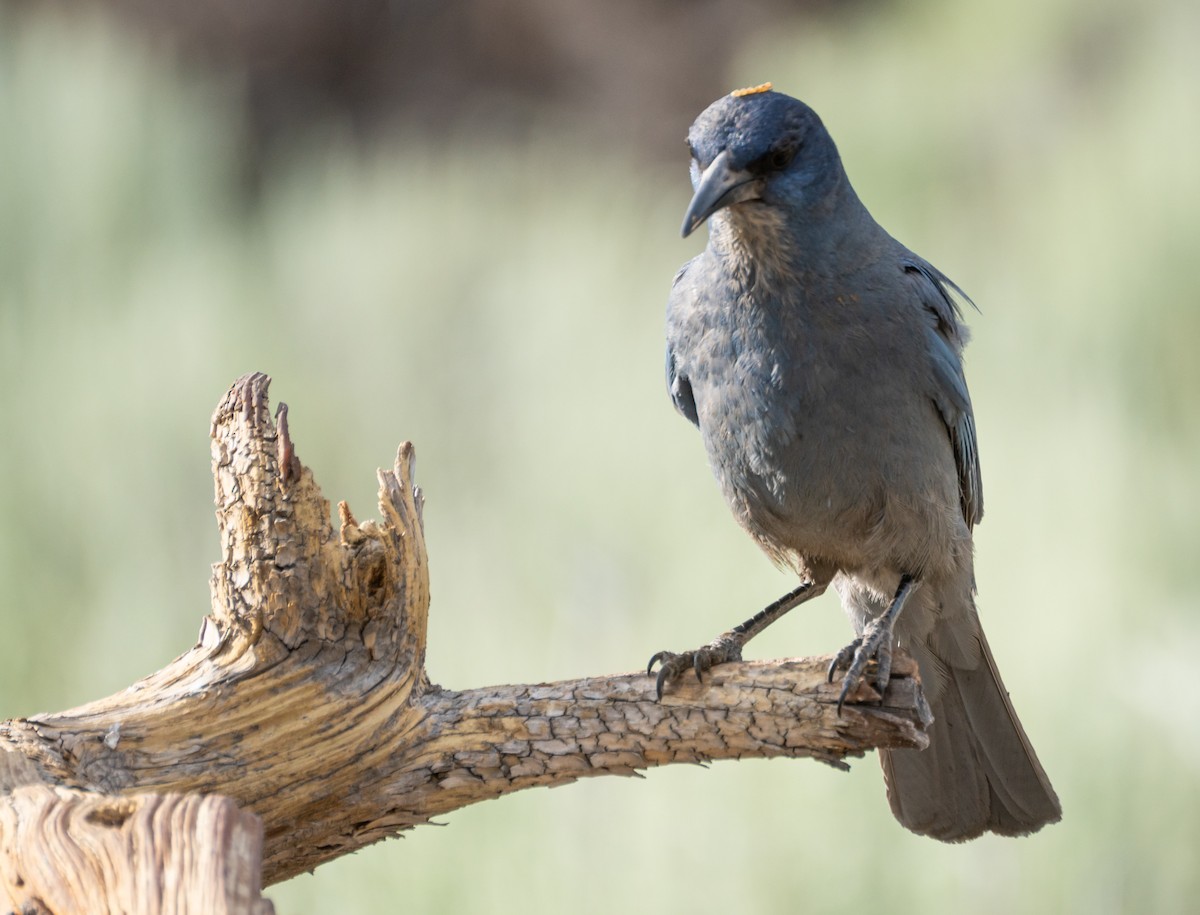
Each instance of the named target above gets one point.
<point>506,67</point>
<point>501,306</point>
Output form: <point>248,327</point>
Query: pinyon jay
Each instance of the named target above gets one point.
<point>821,361</point>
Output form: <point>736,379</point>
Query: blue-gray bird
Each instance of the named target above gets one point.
<point>822,362</point>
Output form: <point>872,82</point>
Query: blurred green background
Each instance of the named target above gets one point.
<point>486,276</point>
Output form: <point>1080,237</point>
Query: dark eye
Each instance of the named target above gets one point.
<point>775,159</point>
<point>781,156</point>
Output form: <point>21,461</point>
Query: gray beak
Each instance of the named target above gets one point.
<point>720,186</point>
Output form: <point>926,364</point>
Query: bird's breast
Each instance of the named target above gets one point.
<point>798,420</point>
<point>763,403</point>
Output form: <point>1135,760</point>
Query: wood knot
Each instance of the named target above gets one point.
<point>112,814</point>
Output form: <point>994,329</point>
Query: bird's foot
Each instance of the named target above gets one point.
<point>728,645</point>
<point>874,644</point>
<point>725,647</point>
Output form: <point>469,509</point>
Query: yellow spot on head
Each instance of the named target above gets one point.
<point>751,90</point>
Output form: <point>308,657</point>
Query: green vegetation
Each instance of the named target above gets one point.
<point>502,308</point>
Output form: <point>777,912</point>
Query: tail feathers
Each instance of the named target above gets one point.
<point>979,773</point>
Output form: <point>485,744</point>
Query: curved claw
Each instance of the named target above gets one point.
<point>672,666</point>
<point>658,656</point>
<point>843,658</point>
<point>855,657</point>
<point>660,683</point>
<point>842,695</point>
<point>728,647</point>
<point>883,658</point>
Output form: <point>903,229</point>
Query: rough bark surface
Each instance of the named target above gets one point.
<point>306,700</point>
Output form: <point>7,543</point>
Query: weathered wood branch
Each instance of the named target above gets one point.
<point>66,851</point>
<point>306,700</point>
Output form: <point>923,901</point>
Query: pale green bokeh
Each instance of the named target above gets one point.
<point>502,308</point>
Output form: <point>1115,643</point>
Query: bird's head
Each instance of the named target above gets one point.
<point>758,148</point>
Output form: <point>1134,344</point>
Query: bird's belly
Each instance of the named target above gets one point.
<point>826,481</point>
<point>785,470</point>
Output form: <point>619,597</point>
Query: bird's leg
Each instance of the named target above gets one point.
<point>728,646</point>
<point>875,642</point>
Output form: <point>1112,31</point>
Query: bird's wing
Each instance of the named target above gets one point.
<point>677,380</point>
<point>946,338</point>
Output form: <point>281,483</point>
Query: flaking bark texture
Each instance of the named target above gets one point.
<point>306,700</point>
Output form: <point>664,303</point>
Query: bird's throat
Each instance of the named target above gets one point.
<point>754,233</point>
